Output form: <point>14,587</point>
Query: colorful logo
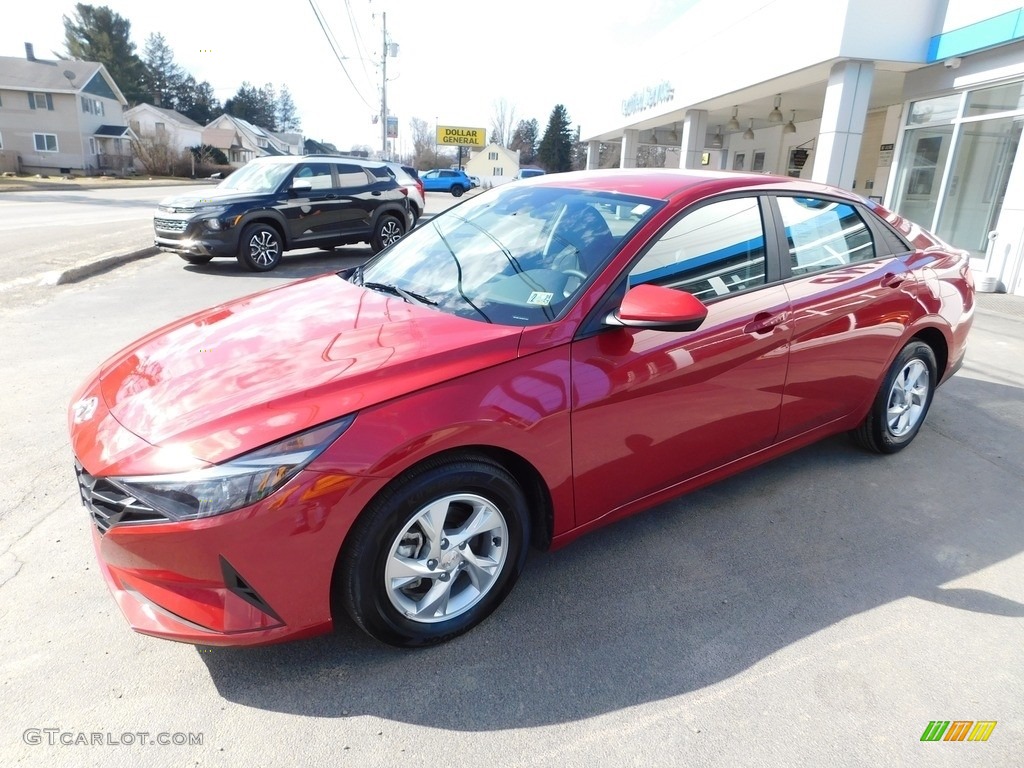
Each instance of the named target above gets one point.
<point>958,730</point>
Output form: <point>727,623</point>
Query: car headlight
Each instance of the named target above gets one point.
<point>211,216</point>
<point>236,483</point>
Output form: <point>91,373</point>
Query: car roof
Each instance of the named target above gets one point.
<point>665,183</point>
<point>314,158</point>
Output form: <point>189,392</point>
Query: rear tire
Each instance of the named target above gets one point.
<point>435,553</point>
<point>389,230</point>
<point>457,190</point>
<point>902,402</point>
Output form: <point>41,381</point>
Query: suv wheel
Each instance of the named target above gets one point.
<point>259,248</point>
<point>457,190</point>
<point>389,230</point>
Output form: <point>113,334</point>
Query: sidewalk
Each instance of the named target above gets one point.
<point>1001,305</point>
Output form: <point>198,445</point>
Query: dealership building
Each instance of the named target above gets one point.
<point>918,104</point>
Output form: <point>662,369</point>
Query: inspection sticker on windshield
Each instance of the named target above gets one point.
<point>540,298</point>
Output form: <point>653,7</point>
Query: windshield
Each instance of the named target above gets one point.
<point>257,177</point>
<point>514,255</point>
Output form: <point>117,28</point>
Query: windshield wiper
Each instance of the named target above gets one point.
<point>410,296</point>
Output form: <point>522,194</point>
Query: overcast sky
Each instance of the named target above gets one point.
<point>454,60</point>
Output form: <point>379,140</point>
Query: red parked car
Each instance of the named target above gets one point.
<point>548,357</point>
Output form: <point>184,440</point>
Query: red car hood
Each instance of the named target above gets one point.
<point>241,375</point>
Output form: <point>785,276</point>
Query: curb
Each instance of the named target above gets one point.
<point>84,269</point>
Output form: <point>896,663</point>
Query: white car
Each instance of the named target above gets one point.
<point>409,178</point>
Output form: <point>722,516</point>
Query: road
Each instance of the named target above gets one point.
<point>49,230</point>
<point>819,610</point>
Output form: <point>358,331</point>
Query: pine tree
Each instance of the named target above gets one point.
<point>556,148</point>
<point>163,76</point>
<point>525,140</point>
<point>287,115</point>
<point>101,35</point>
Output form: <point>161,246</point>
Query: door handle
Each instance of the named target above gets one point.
<point>330,197</point>
<point>894,279</point>
<point>375,194</point>
<point>764,322</point>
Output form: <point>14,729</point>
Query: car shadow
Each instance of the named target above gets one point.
<point>294,264</point>
<point>691,593</point>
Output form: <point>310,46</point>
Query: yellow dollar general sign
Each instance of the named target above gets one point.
<point>453,135</point>
<point>958,730</point>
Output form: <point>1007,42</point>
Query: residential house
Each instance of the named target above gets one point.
<point>181,132</point>
<point>313,147</point>
<point>241,141</point>
<point>494,164</point>
<point>61,117</point>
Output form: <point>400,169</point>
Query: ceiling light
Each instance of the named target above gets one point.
<point>749,133</point>
<point>716,140</point>
<point>790,127</point>
<point>734,123</point>
<point>775,116</point>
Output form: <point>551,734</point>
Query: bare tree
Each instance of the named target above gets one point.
<point>503,122</point>
<point>157,154</point>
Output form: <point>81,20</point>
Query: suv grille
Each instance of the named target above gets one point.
<point>108,505</point>
<point>170,225</point>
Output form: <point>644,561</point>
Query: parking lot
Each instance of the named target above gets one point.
<point>819,610</point>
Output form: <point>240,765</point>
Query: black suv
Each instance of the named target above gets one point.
<point>275,204</point>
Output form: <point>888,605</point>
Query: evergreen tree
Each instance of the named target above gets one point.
<point>163,76</point>
<point>525,140</point>
<point>287,115</point>
<point>556,148</point>
<point>255,105</point>
<point>196,100</point>
<point>101,35</point>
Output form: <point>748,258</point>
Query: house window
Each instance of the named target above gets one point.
<point>45,142</point>
<point>92,106</point>
<point>40,101</point>
<point>92,146</point>
<point>160,128</point>
<point>1,141</point>
<point>497,171</point>
<point>262,143</point>
<point>492,155</point>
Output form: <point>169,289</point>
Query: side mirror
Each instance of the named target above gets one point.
<point>660,309</point>
<point>300,187</point>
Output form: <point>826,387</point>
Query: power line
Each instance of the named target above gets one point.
<point>357,37</point>
<point>337,53</point>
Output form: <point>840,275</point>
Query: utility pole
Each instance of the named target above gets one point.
<point>384,89</point>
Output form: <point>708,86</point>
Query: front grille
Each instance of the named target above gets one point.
<point>170,225</point>
<point>109,505</point>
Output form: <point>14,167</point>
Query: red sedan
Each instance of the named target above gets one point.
<point>541,360</point>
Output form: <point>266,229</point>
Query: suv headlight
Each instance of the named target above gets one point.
<point>210,217</point>
<point>236,483</point>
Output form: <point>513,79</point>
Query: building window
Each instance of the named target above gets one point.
<point>1,141</point>
<point>40,101</point>
<point>497,171</point>
<point>92,146</point>
<point>492,155</point>
<point>262,143</point>
<point>45,142</point>
<point>160,128</point>
<point>92,106</point>
<point>956,160</point>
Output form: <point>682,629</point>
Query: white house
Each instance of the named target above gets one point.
<point>182,132</point>
<point>494,164</point>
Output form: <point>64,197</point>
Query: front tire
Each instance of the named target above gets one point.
<point>388,230</point>
<point>902,402</point>
<point>259,248</point>
<point>434,554</point>
<point>457,190</point>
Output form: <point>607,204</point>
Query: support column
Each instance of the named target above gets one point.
<point>842,123</point>
<point>695,130</point>
<point>630,145</point>
<point>593,154</point>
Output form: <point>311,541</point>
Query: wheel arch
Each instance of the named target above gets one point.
<point>935,339</point>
